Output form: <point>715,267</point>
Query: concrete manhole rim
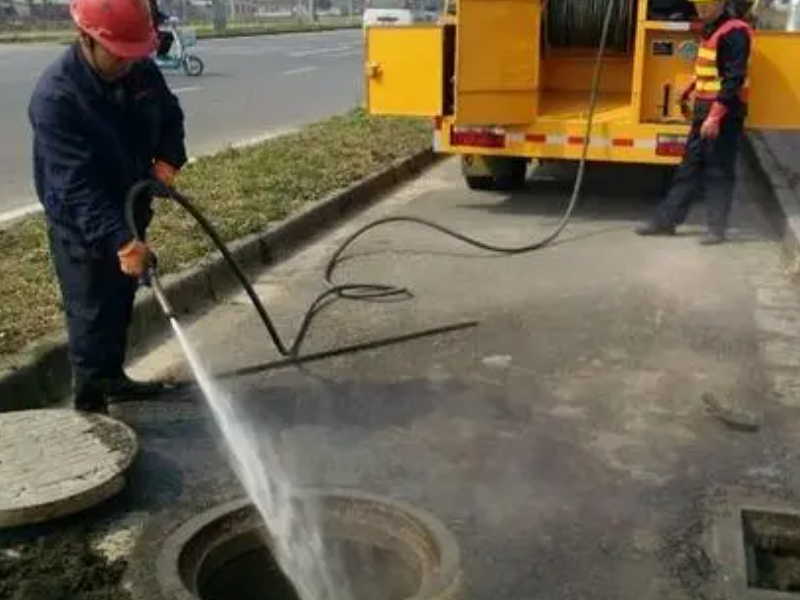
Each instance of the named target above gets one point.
<point>80,500</point>
<point>167,564</point>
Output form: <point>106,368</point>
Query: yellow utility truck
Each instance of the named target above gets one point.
<point>507,81</point>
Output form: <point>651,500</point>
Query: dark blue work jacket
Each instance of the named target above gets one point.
<point>93,140</point>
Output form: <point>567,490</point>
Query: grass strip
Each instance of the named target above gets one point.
<point>240,190</point>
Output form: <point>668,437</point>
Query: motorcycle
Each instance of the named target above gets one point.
<point>178,57</point>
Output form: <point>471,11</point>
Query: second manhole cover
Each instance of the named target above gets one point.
<point>57,462</point>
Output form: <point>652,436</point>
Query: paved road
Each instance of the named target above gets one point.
<point>564,439</point>
<point>252,87</point>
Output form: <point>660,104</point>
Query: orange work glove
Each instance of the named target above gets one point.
<point>165,172</point>
<point>134,258</point>
<point>686,99</point>
<point>710,128</point>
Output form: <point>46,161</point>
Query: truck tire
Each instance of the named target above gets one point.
<point>515,179</point>
<point>506,174</point>
<point>480,183</point>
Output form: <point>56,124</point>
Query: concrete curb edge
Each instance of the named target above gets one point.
<point>786,208</point>
<point>41,377</point>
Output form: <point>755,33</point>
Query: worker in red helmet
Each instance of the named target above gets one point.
<point>103,118</point>
<point>720,89</point>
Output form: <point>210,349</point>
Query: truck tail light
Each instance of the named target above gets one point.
<point>480,137</point>
<point>668,144</point>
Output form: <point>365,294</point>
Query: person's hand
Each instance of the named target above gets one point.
<point>686,101</point>
<point>710,128</point>
<point>134,258</point>
<point>165,172</point>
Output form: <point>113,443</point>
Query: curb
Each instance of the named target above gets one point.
<point>784,202</point>
<point>42,376</point>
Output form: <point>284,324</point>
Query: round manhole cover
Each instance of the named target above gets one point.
<point>58,462</point>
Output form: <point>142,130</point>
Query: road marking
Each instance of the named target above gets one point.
<point>300,70</point>
<point>324,50</point>
<point>191,88</point>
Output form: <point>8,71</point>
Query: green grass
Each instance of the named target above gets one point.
<point>241,191</point>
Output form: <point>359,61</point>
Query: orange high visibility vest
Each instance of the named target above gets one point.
<point>708,81</point>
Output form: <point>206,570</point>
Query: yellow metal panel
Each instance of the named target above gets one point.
<point>665,75</point>
<point>497,63</point>
<point>775,81</point>
<point>405,71</point>
<point>561,72</point>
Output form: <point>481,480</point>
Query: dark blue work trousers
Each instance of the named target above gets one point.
<point>98,302</point>
<point>708,172</point>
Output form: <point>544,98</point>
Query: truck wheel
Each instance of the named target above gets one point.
<point>480,183</point>
<point>498,173</point>
<point>514,179</point>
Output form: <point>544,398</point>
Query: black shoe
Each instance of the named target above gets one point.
<point>712,239</point>
<point>125,388</point>
<point>653,228</point>
<point>90,398</point>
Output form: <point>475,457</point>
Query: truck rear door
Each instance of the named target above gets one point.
<point>405,70</point>
<point>497,61</point>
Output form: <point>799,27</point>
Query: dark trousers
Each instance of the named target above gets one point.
<point>708,172</point>
<point>98,302</point>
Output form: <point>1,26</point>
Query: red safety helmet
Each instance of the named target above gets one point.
<point>123,27</point>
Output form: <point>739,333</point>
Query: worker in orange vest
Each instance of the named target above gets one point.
<point>720,87</point>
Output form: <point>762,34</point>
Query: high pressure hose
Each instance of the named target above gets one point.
<point>362,291</point>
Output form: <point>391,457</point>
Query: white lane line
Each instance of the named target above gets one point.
<point>324,50</point>
<point>190,88</point>
<point>342,54</point>
<point>300,70</point>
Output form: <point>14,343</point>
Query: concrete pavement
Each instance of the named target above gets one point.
<point>564,439</point>
<point>252,88</point>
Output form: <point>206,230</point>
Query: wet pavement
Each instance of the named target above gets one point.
<point>564,438</point>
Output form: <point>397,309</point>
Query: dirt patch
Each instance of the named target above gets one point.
<point>63,567</point>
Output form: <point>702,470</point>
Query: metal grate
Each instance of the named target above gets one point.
<point>772,549</point>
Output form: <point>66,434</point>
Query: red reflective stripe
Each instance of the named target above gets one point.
<point>575,139</point>
<point>622,142</point>
<point>537,138</point>
<point>483,139</point>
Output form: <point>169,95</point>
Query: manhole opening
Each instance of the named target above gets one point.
<point>244,568</point>
<point>772,548</point>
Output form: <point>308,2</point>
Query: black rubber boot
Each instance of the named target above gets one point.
<point>654,228</point>
<point>89,397</point>
<point>125,388</point>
